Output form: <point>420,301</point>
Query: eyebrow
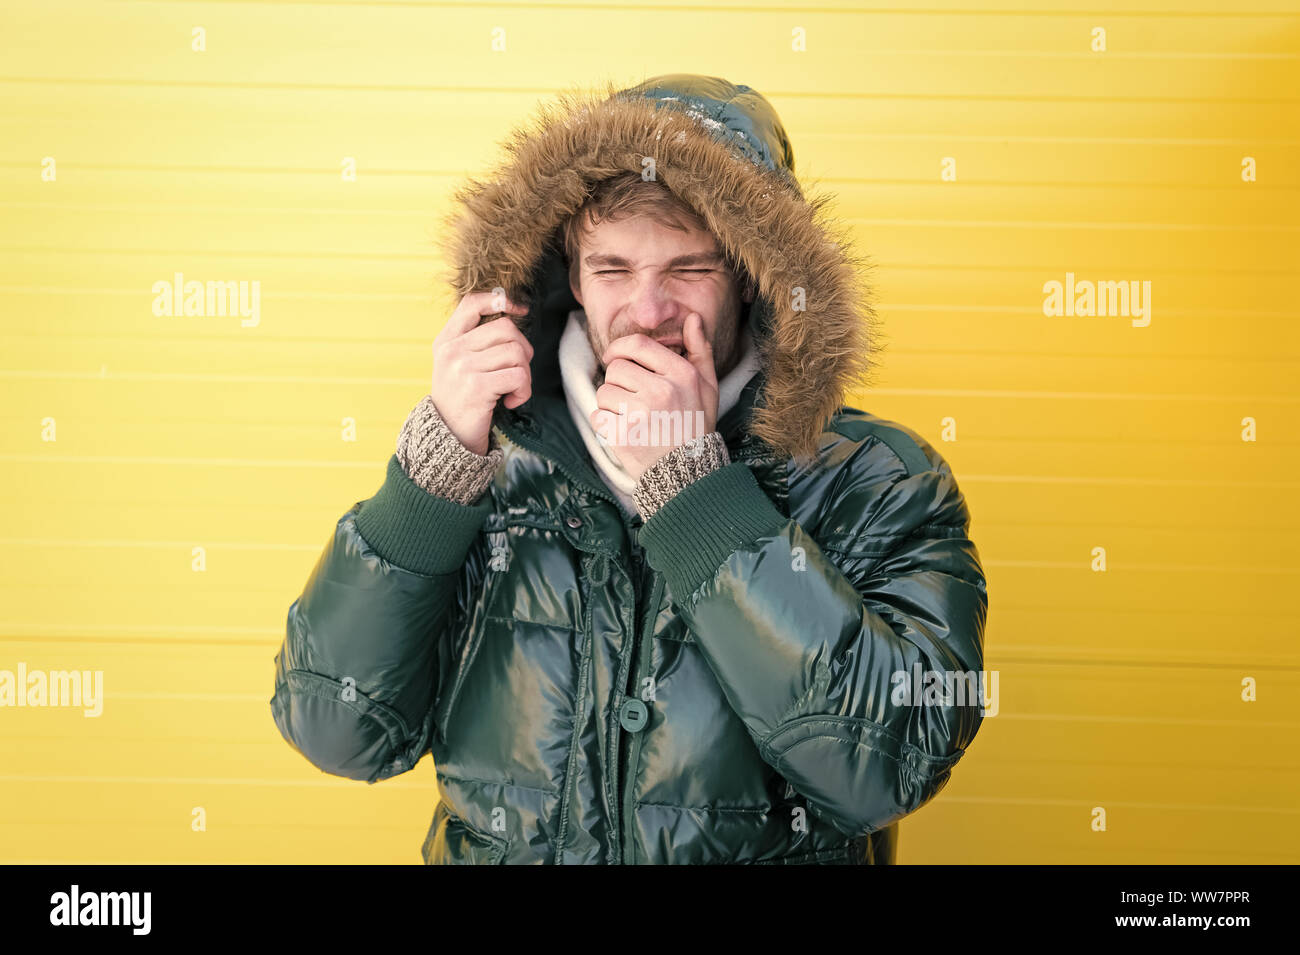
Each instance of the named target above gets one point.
<point>596,260</point>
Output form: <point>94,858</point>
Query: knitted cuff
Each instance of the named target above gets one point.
<point>435,460</point>
<point>676,469</point>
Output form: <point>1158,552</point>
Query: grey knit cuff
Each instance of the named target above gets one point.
<point>433,457</point>
<point>678,468</point>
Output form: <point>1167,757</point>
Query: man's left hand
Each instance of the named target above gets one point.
<point>642,377</point>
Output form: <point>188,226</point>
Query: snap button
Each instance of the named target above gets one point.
<point>633,715</point>
<point>574,520</point>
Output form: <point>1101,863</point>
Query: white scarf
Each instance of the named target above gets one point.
<point>578,368</point>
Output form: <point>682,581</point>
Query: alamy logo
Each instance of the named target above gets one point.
<point>213,298</point>
<point>639,428</point>
<point>1098,298</point>
<point>84,688</point>
<point>102,908</point>
<point>945,688</point>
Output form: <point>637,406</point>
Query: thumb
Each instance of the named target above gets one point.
<point>698,350</point>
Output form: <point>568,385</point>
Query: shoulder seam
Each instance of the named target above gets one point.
<point>907,451</point>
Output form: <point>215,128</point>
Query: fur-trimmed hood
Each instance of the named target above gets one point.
<point>722,149</point>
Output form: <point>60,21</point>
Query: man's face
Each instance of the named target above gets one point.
<point>637,276</point>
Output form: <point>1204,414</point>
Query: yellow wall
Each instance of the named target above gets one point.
<point>1118,688</point>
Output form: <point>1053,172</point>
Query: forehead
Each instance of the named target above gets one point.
<point>646,240</point>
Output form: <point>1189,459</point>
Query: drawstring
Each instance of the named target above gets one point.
<point>597,569</point>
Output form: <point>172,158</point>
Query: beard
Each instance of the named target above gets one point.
<point>724,345</point>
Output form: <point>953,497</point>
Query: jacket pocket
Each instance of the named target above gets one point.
<point>836,855</point>
<point>452,841</point>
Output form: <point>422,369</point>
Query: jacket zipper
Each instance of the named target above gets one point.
<point>622,770</point>
<point>628,748</point>
<point>640,653</point>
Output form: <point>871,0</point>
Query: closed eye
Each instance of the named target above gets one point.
<point>678,271</point>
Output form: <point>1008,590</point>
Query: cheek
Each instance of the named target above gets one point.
<point>722,302</point>
<point>596,337</point>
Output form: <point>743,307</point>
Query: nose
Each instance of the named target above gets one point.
<point>651,306</point>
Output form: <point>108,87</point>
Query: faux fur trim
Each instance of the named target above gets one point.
<point>501,225</point>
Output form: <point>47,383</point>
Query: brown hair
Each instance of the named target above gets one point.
<point>622,197</point>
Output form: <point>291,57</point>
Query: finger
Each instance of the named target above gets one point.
<point>610,397</point>
<point>513,382</point>
<point>496,332</point>
<point>507,354</point>
<point>469,313</point>
<point>699,352</point>
<point>629,375</point>
<point>643,350</point>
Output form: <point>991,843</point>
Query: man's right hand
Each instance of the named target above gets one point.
<point>474,365</point>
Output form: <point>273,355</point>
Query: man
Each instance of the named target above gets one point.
<point>625,644</point>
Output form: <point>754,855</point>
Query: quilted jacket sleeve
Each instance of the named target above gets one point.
<point>365,641</point>
<point>818,641</point>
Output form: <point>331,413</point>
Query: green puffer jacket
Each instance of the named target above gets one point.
<point>718,684</point>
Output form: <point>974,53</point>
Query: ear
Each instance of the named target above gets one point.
<point>576,290</point>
